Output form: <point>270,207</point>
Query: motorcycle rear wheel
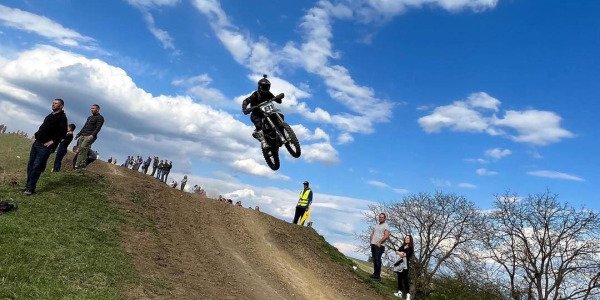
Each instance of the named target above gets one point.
<point>293,146</point>
<point>271,156</point>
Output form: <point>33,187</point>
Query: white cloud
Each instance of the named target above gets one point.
<point>440,182</point>
<point>485,172</point>
<point>477,114</point>
<point>376,10</point>
<point>133,114</point>
<point>304,134</point>
<point>457,116</point>
<point>345,138</point>
<point>535,154</point>
<point>497,153</point>
<point>313,55</point>
<point>476,160</point>
<point>320,152</point>
<point>534,126</point>
<point>400,191</point>
<point>198,130</point>
<point>153,3</point>
<point>26,21</point>
<point>377,183</point>
<point>555,175</point>
<point>161,35</point>
<point>385,185</point>
<point>250,166</point>
<point>198,87</point>
<point>483,100</point>
<point>466,185</point>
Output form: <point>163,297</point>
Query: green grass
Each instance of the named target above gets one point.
<point>387,285</point>
<point>64,241</point>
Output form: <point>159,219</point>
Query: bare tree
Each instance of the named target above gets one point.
<point>442,226</point>
<point>547,249</point>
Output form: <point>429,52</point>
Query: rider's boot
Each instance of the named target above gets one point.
<point>258,134</point>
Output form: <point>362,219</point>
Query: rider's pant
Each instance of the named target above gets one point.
<point>257,120</point>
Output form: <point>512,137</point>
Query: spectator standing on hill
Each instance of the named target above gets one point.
<point>154,166</point>
<point>1,127</point>
<point>92,156</point>
<point>183,182</point>
<point>134,162</point>
<point>62,148</point>
<point>47,138</point>
<point>138,163</point>
<point>147,165</point>
<point>110,159</point>
<point>380,234</point>
<point>89,134</point>
<point>161,166</point>
<point>304,202</point>
<point>167,170</point>
<point>402,267</point>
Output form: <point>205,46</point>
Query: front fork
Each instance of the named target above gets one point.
<point>279,135</point>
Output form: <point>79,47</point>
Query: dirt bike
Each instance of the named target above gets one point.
<point>276,132</point>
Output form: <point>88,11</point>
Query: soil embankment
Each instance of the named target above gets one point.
<point>186,247</point>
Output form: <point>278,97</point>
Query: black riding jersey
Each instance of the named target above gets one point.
<point>256,99</point>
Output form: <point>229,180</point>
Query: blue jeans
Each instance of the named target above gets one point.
<point>60,154</point>
<point>38,157</point>
<point>376,253</point>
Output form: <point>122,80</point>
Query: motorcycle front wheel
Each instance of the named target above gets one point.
<point>271,156</point>
<point>293,146</point>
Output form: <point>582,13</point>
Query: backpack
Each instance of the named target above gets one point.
<point>8,205</point>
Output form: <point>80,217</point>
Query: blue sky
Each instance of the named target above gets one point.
<point>473,97</point>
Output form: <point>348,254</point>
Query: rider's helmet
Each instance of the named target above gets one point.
<point>264,85</point>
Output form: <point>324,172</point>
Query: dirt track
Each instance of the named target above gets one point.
<point>186,247</point>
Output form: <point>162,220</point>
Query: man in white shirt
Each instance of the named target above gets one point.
<point>380,234</point>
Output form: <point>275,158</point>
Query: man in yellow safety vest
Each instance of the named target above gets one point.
<point>303,203</point>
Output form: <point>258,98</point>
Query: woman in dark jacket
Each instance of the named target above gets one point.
<point>402,267</point>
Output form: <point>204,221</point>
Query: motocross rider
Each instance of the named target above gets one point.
<point>257,97</point>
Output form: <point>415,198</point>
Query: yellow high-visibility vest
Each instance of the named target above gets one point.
<point>303,198</point>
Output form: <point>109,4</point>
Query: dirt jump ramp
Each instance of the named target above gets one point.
<point>187,247</point>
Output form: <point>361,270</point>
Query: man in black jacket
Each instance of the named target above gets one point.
<point>154,166</point>
<point>166,171</point>
<point>88,134</point>
<point>47,138</point>
<point>147,165</point>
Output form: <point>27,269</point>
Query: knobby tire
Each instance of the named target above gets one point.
<point>291,136</point>
<point>271,156</point>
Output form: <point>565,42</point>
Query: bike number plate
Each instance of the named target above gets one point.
<point>267,107</point>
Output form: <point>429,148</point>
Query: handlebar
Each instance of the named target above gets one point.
<point>250,109</point>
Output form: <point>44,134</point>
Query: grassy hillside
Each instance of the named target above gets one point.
<point>63,242</point>
<point>112,233</point>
